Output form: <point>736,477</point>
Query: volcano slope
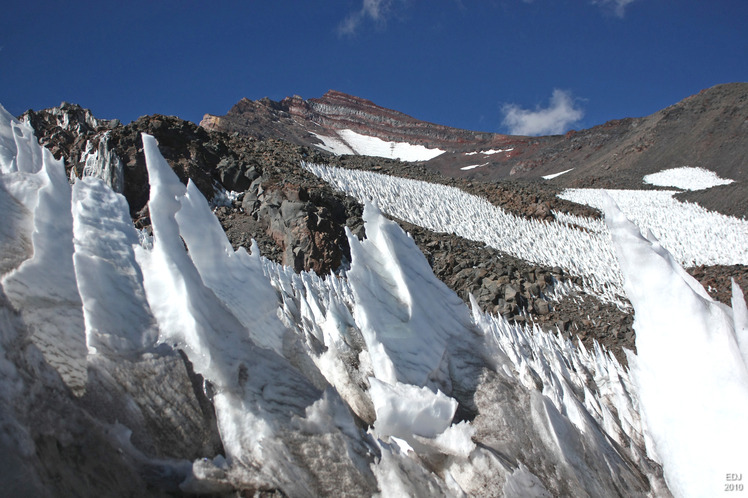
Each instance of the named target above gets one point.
<point>299,220</point>
<point>704,130</point>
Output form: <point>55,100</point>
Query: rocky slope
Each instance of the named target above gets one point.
<point>295,119</point>
<point>706,130</point>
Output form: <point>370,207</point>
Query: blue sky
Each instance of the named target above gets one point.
<point>517,65</point>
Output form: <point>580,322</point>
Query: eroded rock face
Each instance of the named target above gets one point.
<point>293,118</point>
<point>309,235</point>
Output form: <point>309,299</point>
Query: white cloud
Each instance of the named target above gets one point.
<point>618,6</point>
<point>552,120</point>
<point>376,10</point>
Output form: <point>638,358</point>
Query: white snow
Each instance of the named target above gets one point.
<point>686,178</point>
<point>102,162</point>
<point>450,210</point>
<point>333,144</point>
<point>405,410</point>
<point>350,142</point>
<point>555,175</point>
<point>190,315</point>
<point>117,318</point>
<point>694,235</point>
<point>406,327</point>
<point>473,166</point>
<point>587,253</point>
<point>489,151</point>
<point>43,287</point>
<point>690,369</point>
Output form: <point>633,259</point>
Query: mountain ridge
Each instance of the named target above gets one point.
<point>707,129</point>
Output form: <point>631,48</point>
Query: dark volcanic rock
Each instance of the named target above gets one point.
<point>65,129</point>
<point>717,280</point>
<point>727,199</point>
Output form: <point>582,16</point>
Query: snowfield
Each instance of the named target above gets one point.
<point>692,234</point>
<point>350,142</point>
<point>686,178</point>
<point>489,151</point>
<point>377,381</point>
<point>587,253</point>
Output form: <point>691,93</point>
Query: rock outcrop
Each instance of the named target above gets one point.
<point>294,119</point>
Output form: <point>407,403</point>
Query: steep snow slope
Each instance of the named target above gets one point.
<point>343,385</point>
<point>350,142</point>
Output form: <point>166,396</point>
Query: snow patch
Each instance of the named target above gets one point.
<point>223,197</point>
<point>489,151</point>
<point>686,178</point>
<point>465,168</point>
<point>333,144</point>
<point>350,142</point>
<point>554,175</point>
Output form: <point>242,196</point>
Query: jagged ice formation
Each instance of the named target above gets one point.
<point>375,381</point>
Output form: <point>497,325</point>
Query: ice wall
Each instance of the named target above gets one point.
<point>118,321</point>
<point>406,315</point>
<point>43,287</point>
<point>102,162</point>
<point>690,369</point>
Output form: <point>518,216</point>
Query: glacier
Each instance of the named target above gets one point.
<point>174,364</point>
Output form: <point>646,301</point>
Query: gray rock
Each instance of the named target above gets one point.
<point>510,293</point>
<point>290,210</point>
<point>541,307</point>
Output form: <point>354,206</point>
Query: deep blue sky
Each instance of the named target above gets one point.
<point>459,63</point>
